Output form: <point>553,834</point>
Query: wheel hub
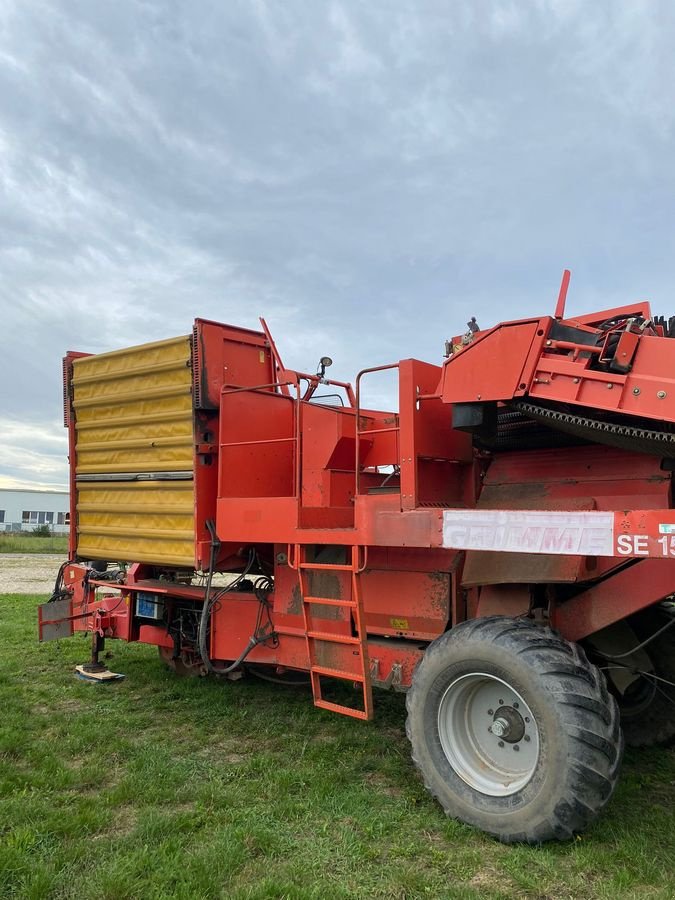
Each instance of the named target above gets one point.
<point>509,725</point>
<point>488,734</point>
<point>501,727</point>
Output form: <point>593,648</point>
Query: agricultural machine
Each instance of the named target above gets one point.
<point>501,547</point>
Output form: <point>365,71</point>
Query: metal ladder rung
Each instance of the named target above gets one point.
<point>331,638</point>
<point>341,674</point>
<point>313,638</point>
<point>331,601</point>
<point>343,710</point>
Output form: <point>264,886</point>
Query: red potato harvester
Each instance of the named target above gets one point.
<point>502,548</point>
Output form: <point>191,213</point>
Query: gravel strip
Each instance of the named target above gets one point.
<point>29,573</point>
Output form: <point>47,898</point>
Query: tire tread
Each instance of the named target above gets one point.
<point>589,713</point>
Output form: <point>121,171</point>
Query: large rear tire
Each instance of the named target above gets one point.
<point>513,730</point>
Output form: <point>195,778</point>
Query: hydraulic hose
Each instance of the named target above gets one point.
<point>208,604</point>
<point>253,642</point>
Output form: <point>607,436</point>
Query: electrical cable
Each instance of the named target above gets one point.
<point>290,682</point>
<point>258,636</point>
<point>663,693</point>
<point>209,602</point>
<point>116,574</point>
<point>262,586</point>
<point>649,675</point>
<point>119,600</point>
<point>655,677</point>
<point>60,592</point>
<point>638,646</point>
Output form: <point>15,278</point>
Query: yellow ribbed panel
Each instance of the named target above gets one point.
<point>136,521</point>
<point>133,409</point>
<point>133,415</point>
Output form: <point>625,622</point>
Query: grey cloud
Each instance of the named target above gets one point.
<point>366,176</point>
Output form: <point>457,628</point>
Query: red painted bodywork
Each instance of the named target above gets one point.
<point>526,359</point>
<point>366,491</point>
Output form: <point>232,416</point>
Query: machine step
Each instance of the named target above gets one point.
<point>331,638</point>
<point>339,674</point>
<point>314,636</point>
<point>331,601</point>
<point>343,710</point>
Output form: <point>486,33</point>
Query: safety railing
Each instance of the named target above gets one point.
<point>361,431</point>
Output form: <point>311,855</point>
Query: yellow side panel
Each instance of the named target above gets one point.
<point>133,409</point>
<point>136,521</point>
<point>133,416</point>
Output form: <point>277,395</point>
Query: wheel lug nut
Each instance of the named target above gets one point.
<point>500,727</point>
<point>491,712</point>
<point>516,747</point>
<point>527,718</point>
<point>515,706</point>
<point>527,737</point>
<point>500,744</point>
<point>501,702</point>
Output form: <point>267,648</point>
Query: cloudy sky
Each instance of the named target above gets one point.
<point>366,175</point>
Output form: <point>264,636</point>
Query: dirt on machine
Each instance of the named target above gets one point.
<point>500,547</point>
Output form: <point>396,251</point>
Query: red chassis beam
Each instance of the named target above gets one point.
<point>391,660</point>
<point>644,538</point>
<point>636,587</point>
<point>380,522</point>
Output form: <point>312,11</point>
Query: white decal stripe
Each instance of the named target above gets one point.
<point>530,531</point>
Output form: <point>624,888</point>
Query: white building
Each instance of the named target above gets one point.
<point>24,510</point>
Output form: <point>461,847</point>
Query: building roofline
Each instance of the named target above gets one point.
<point>31,491</point>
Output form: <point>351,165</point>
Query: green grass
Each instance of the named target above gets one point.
<point>32,543</point>
<point>160,787</point>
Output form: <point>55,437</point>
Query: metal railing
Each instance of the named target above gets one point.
<point>359,431</point>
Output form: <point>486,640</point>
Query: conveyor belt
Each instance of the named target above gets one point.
<point>517,431</point>
<point>625,435</point>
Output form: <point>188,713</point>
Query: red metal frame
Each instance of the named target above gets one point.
<point>518,359</point>
<point>562,296</point>
<point>429,530</point>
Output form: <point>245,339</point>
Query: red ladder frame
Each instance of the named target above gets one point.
<point>313,636</point>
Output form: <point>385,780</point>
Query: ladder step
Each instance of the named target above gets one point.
<point>332,638</point>
<point>313,639</point>
<point>331,601</point>
<point>338,673</point>
<point>343,710</point>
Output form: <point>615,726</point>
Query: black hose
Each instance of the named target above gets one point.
<point>206,612</point>
<point>60,592</point>
<point>288,682</point>
<point>640,645</point>
<point>253,642</point>
<point>206,608</point>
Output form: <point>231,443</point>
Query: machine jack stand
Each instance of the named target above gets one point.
<point>95,670</point>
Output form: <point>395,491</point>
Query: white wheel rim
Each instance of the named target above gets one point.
<point>488,734</point>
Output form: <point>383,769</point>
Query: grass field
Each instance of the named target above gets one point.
<point>160,787</point>
<point>31,543</point>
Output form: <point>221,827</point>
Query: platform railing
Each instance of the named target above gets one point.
<point>361,431</point>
